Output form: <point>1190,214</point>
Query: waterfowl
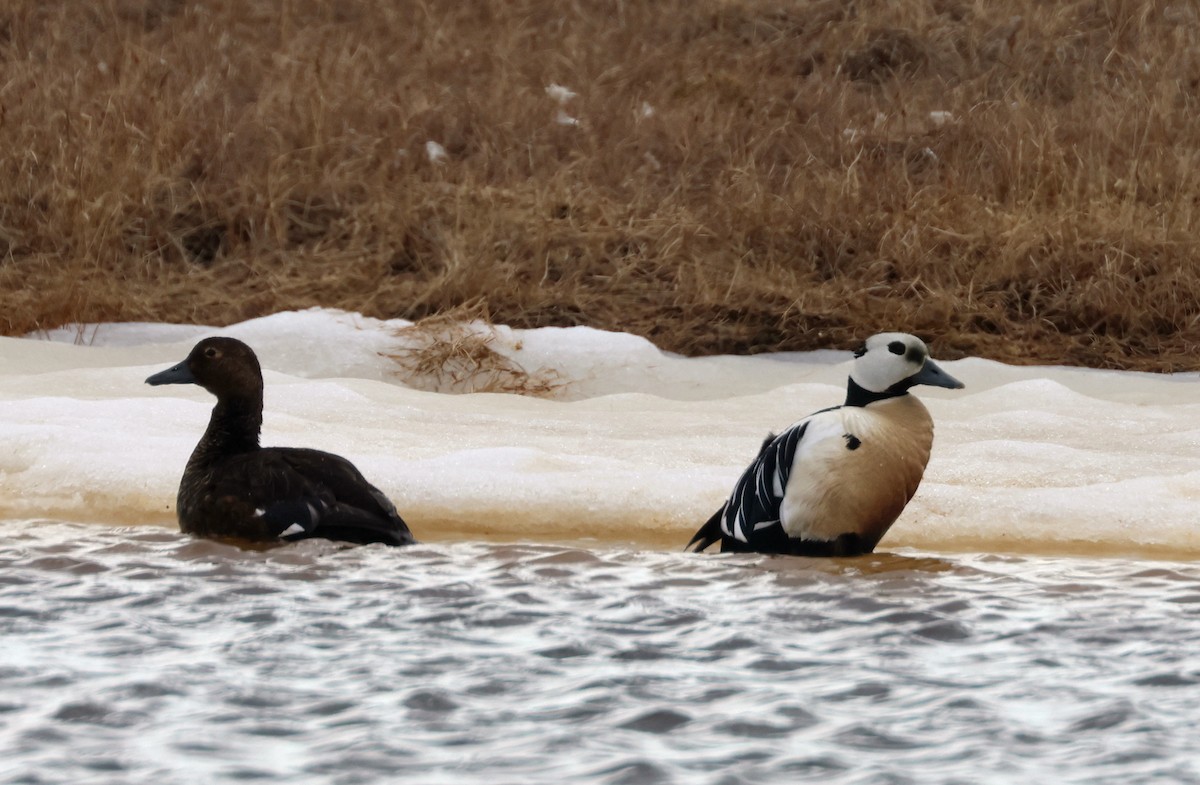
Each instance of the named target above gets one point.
<point>232,487</point>
<point>832,483</point>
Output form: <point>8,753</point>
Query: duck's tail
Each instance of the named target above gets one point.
<point>350,524</point>
<point>709,533</point>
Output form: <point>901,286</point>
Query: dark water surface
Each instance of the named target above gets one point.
<point>141,656</point>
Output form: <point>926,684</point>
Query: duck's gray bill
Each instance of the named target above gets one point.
<point>933,375</point>
<point>179,374</point>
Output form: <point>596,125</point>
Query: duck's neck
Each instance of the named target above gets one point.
<point>233,428</point>
<point>857,395</point>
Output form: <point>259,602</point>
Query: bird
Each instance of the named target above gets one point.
<point>833,483</point>
<point>232,488</point>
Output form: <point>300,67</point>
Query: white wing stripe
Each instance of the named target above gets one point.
<point>755,501</point>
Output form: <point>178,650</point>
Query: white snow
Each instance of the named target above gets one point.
<point>435,152</point>
<point>562,118</point>
<point>636,444</point>
<point>559,94</point>
<point>562,96</point>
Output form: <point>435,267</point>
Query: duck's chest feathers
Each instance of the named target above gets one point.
<point>856,468</point>
<point>195,492</point>
<point>196,504</point>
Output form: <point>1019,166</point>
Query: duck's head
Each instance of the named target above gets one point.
<point>889,364</point>
<point>225,367</point>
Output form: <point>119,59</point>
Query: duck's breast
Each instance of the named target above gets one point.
<point>856,469</point>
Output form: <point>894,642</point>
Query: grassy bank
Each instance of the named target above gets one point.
<point>1015,180</point>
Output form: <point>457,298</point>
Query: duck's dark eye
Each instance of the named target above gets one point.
<point>896,347</point>
<point>211,352</point>
<point>860,351</point>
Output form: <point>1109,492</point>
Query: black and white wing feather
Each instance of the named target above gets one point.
<point>750,519</point>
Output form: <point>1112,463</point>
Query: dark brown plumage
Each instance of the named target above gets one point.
<point>232,487</point>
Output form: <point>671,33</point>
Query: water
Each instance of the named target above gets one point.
<point>140,655</point>
<point>1033,615</point>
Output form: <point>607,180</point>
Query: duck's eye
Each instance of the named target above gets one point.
<point>211,352</point>
<point>896,347</point>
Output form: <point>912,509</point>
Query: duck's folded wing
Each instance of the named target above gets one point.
<point>358,511</point>
<point>296,494</point>
<point>751,517</point>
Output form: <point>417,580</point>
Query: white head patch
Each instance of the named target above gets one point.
<point>888,359</point>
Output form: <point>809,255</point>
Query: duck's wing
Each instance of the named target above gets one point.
<point>750,519</point>
<point>299,493</point>
<point>359,511</point>
<point>707,534</point>
<point>750,516</point>
<point>717,528</point>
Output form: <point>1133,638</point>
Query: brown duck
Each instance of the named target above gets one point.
<point>233,488</point>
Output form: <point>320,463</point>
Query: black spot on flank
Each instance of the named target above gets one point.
<point>860,351</point>
<point>896,347</point>
<point>852,441</point>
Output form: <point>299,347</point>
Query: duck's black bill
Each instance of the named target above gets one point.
<point>932,374</point>
<point>179,374</point>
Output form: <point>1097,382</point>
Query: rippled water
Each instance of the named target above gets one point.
<point>139,655</point>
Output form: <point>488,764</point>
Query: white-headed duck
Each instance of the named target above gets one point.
<point>833,483</point>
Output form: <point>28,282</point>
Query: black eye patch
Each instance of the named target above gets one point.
<point>896,347</point>
<point>860,351</point>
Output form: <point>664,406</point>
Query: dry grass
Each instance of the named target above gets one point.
<point>455,352</point>
<point>1013,179</point>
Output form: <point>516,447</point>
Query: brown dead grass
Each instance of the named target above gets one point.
<point>1013,179</point>
<point>456,351</point>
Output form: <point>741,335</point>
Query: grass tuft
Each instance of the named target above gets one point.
<point>455,352</point>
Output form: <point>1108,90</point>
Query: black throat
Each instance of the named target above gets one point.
<point>856,395</point>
